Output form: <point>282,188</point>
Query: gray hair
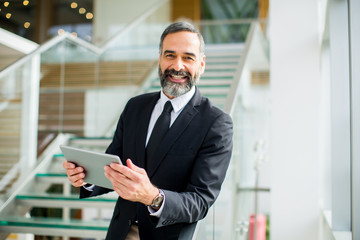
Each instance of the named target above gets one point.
<point>179,27</point>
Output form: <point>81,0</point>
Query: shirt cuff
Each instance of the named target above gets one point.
<point>89,187</point>
<point>157,213</point>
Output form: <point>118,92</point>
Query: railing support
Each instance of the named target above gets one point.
<point>30,110</point>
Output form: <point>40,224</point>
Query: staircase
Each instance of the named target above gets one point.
<point>47,204</point>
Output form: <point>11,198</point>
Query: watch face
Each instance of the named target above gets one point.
<point>157,201</point>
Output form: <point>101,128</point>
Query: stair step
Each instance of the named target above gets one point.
<point>214,67</point>
<point>56,200</point>
<point>9,151</point>
<point>218,73</point>
<point>224,60</point>
<point>54,178</point>
<point>92,144</point>
<point>55,227</point>
<point>9,158</point>
<point>211,91</point>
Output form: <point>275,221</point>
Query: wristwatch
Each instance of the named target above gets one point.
<point>156,204</point>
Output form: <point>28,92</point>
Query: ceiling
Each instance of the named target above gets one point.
<point>59,12</point>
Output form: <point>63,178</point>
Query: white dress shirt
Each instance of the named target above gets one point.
<point>178,104</point>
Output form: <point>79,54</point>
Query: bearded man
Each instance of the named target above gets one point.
<point>170,175</point>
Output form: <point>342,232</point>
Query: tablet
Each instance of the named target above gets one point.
<point>92,162</point>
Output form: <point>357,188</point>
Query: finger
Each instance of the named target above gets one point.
<point>115,177</point>
<point>74,171</point>
<point>131,172</point>
<point>76,177</point>
<point>68,165</point>
<point>78,183</point>
<point>132,166</point>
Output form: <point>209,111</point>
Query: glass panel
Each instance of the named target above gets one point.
<point>69,72</point>
<point>14,115</point>
<point>225,33</point>
<point>243,193</point>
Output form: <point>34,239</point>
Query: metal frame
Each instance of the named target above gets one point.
<point>340,116</point>
<point>30,109</point>
<point>354,35</point>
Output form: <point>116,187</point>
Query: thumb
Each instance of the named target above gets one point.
<point>133,167</point>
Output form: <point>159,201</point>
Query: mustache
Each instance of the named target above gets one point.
<point>174,72</point>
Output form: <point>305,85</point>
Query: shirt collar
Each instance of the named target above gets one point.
<point>179,102</point>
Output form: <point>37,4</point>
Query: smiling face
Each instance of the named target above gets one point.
<point>180,63</point>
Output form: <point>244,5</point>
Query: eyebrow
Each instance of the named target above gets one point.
<point>186,53</point>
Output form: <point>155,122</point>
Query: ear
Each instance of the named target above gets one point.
<point>202,64</point>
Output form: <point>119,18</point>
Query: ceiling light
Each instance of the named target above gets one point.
<point>89,15</point>
<point>82,10</point>
<point>26,25</point>
<point>25,2</point>
<point>73,5</point>
<point>8,15</point>
<point>6,4</point>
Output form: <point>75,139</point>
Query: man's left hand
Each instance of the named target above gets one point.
<point>131,182</point>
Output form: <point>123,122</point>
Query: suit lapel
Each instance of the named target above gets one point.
<point>142,130</point>
<point>178,127</point>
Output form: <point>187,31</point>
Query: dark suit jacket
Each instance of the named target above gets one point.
<point>190,166</point>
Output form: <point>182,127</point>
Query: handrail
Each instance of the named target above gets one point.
<point>229,104</point>
<point>16,42</point>
<point>46,46</point>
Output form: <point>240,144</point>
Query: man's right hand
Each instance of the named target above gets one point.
<point>75,174</point>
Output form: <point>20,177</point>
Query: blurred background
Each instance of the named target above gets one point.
<point>284,70</point>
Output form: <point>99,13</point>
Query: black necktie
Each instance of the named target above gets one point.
<point>161,126</point>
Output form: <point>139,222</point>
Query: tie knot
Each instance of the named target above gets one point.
<point>168,107</point>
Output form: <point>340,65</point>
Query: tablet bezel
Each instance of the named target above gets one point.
<point>92,162</point>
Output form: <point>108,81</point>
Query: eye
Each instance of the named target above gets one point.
<point>169,55</point>
<point>189,58</point>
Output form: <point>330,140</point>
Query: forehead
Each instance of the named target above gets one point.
<point>182,42</point>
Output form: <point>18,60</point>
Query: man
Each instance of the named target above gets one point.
<point>164,190</point>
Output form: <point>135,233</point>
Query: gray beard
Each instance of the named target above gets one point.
<point>176,89</point>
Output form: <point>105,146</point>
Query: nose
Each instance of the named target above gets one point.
<point>178,64</point>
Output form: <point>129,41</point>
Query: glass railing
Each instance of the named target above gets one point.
<point>244,192</point>
<point>18,116</point>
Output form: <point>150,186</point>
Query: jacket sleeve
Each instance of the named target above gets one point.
<point>206,177</point>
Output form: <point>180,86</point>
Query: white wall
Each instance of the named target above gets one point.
<point>295,138</point>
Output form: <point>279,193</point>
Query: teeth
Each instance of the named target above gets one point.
<point>177,76</point>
